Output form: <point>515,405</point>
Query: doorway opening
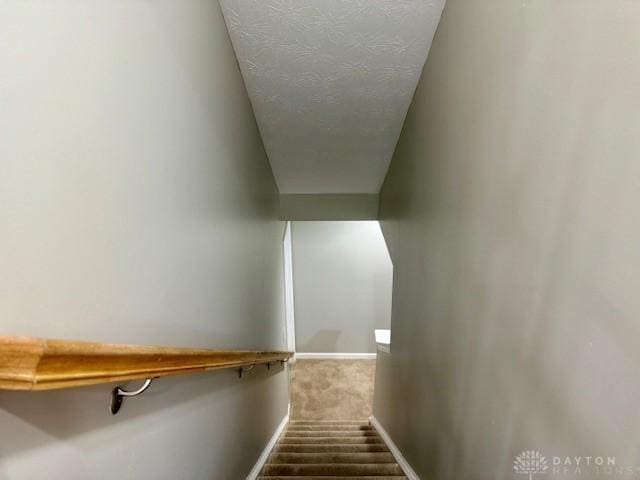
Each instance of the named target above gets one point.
<point>338,285</point>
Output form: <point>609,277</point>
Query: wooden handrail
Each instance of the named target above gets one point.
<point>45,364</point>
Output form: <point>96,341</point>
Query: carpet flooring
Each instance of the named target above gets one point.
<point>332,389</point>
<point>331,450</point>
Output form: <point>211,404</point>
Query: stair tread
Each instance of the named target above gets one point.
<point>332,469</point>
<point>329,426</point>
<point>330,447</point>
<point>329,422</point>
<point>331,433</point>
<point>333,457</point>
<point>314,477</point>
<point>340,449</point>
<point>325,440</point>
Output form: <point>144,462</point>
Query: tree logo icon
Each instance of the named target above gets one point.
<point>530,462</point>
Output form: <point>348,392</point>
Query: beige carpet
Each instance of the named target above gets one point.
<point>331,450</point>
<point>332,389</point>
<point>329,436</point>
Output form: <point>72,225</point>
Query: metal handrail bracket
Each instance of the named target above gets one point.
<point>118,394</point>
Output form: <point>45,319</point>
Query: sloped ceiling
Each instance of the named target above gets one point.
<point>330,82</point>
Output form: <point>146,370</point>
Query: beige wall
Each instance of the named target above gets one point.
<point>342,278</point>
<point>512,213</point>
<point>136,205</point>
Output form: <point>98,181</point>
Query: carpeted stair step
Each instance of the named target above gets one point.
<point>329,448</point>
<point>331,433</point>
<point>376,457</point>
<point>332,427</point>
<point>328,422</point>
<point>377,477</point>
<point>330,440</point>
<point>332,469</point>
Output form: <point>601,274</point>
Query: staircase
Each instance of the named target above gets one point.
<point>331,450</point>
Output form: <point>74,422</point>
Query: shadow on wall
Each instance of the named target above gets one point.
<point>34,418</point>
<point>322,341</point>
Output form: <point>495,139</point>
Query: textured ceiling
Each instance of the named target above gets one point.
<point>330,82</point>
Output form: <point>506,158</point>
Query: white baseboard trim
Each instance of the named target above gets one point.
<point>335,356</point>
<point>262,459</point>
<point>404,465</point>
